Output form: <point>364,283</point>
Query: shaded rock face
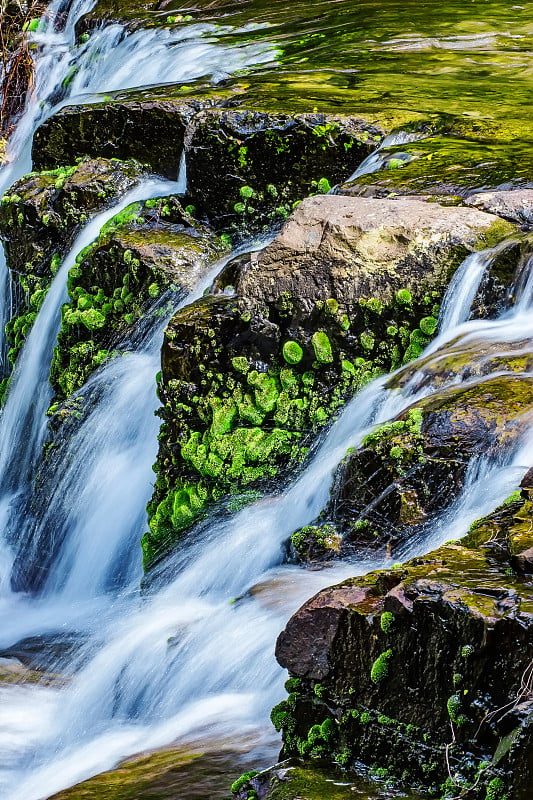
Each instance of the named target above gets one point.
<point>39,217</point>
<point>408,470</point>
<point>152,132</point>
<point>348,290</point>
<point>430,663</point>
<point>150,248</point>
<point>248,168</point>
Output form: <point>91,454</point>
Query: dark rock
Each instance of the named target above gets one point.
<point>420,665</point>
<point>249,167</point>
<point>152,132</point>
<point>408,470</point>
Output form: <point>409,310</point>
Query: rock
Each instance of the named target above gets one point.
<point>448,168</point>
<point>414,467</point>
<point>295,780</point>
<point>410,667</point>
<point>39,218</point>
<point>41,212</point>
<point>249,167</point>
<point>150,131</point>
<point>149,248</point>
<point>349,289</point>
<point>348,247</point>
<point>515,205</point>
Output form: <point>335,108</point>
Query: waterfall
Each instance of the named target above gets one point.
<point>194,660</point>
<point>188,662</point>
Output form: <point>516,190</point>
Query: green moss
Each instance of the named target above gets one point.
<point>496,790</point>
<point>292,352</point>
<point>322,347</point>
<point>428,325</point>
<point>386,621</point>
<point>380,667</point>
<point>242,781</point>
<point>404,297</point>
<point>454,706</point>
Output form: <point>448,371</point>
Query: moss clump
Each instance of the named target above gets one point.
<point>386,621</point>
<point>454,706</point>
<point>404,297</point>
<point>292,352</point>
<point>428,325</point>
<point>322,347</point>
<point>380,667</point>
<point>242,781</point>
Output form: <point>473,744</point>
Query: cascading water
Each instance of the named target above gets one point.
<point>187,662</point>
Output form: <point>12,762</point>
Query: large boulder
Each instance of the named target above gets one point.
<point>423,670</point>
<point>349,289</point>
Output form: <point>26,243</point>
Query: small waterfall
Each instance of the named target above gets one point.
<point>195,659</point>
<point>376,160</point>
<point>188,661</point>
<point>23,417</point>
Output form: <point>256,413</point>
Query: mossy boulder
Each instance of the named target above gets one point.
<point>147,250</point>
<point>296,780</point>
<point>150,131</point>
<point>248,168</point>
<point>41,212</point>
<point>350,289</point>
<point>421,669</point>
<point>39,217</point>
<point>410,469</point>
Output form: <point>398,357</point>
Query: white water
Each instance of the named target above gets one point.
<point>186,663</point>
<point>378,159</point>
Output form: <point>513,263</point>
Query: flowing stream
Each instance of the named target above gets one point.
<point>193,660</point>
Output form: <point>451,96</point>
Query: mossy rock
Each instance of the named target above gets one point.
<point>296,780</point>
<point>149,249</point>
<point>449,167</point>
<point>248,168</point>
<point>456,630</point>
<point>39,218</point>
<point>412,468</point>
<point>310,321</point>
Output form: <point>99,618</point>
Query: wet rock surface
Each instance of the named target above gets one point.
<point>295,780</point>
<point>39,217</point>
<point>515,205</point>
<point>423,670</point>
<point>348,290</point>
<point>407,471</point>
<point>152,132</point>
